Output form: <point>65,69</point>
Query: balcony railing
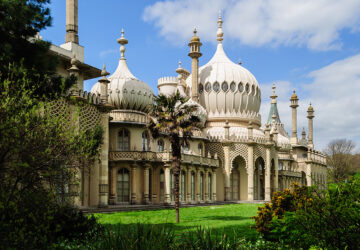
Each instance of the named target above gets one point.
<point>161,157</point>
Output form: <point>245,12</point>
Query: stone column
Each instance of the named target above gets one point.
<point>250,170</point>
<point>155,182</point>
<point>206,190</point>
<point>113,183</point>
<point>188,186</point>
<point>309,181</point>
<point>276,166</point>
<point>167,185</point>
<point>133,184</point>
<point>146,185</point>
<point>104,163</point>
<point>195,45</point>
<point>267,175</point>
<point>310,116</point>
<point>214,186</point>
<point>294,104</point>
<point>197,186</point>
<point>227,166</point>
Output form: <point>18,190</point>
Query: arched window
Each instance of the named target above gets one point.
<point>247,88</point>
<point>145,141</point>
<point>224,86</point>
<point>123,140</point>
<point>209,187</point>
<point>280,166</point>
<point>186,147</point>
<point>183,186</point>
<point>200,147</point>
<point>160,145</point>
<point>233,86</point>
<point>208,87</point>
<point>202,186</point>
<point>241,87</point>
<point>123,185</point>
<point>201,88</point>
<point>216,87</point>
<point>192,185</point>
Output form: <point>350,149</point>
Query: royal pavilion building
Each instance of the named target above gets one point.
<point>237,156</point>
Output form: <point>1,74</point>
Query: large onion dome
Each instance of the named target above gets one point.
<point>226,89</point>
<point>126,92</point>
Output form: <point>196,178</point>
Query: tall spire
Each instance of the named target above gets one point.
<point>273,108</point>
<point>122,40</point>
<point>220,32</point>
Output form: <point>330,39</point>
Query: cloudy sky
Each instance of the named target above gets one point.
<point>311,46</point>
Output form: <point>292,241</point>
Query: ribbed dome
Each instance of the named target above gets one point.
<point>125,90</point>
<point>228,90</point>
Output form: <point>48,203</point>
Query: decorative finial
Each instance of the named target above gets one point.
<point>122,40</point>
<point>104,73</point>
<point>273,96</point>
<point>179,64</point>
<point>74,62</point>
<point>219,32</point>
<point>240,62</point>
<point>195,31</point>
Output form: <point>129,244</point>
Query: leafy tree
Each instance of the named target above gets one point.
<point>174,118</point>
<point>341,160</point>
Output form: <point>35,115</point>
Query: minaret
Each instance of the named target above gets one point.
<point>273,108</point>
<point>195,45</point>
<point>294,104</point>
<point>104,82</point>
<point>310,116</point>
<point>72,21</point>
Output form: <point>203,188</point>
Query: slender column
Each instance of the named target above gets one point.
<point>146,185</point>
<point>250,170</point>
<point>267,175</point>
<point>167,185</point>
<point>206,190</point>
<point>276,165</point>
<point>310,117</point>
<point>197,186</point>
<point>113,184</point>
<point>133,184</point>
<point>188,186</point>
<point>213,185</point>
<point>155,180</point>
<point>227,171</point>
<point>294,104</point>
<point>195,45</point>
<point>104,163</point>
<point>72,21</point>
<point>309,180</point>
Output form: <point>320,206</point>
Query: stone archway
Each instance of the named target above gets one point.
<point>238,179</point>
<point>259,179</point>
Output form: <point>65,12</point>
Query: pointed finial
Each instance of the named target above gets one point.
<point>104,73</point>
<point>179,64</point>
<point>274,96</point>
<point>240,62</point>
<point>122,40</point>
<point>195,31</point>
<point>219,32</point>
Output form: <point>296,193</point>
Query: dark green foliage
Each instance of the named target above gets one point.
<point>328,219</point>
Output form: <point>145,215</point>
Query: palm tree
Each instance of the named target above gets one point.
<point>174,117</point>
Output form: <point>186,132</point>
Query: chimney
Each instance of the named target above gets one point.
<point>72,21</point>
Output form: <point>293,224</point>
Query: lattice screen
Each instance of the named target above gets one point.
<point>89,116</point>
<point>239,149</point>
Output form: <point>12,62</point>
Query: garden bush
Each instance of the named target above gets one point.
<point>328,219</point>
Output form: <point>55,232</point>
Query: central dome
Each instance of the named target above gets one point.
<point>228,90</point>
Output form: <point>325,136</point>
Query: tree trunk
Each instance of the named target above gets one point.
<point>176,158</point>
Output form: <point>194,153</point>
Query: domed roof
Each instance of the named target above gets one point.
<point>125,90</point>
<point>226,89</point>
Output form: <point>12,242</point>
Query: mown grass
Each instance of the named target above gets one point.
<point>226,219</point>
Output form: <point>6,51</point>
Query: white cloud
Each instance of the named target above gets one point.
<point>315,24</point>
<point>335,95</point>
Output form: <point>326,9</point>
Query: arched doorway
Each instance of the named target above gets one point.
<point>303,179</point>
<point>123,185</point>
<point>259,179</point>
<point>238,179</point>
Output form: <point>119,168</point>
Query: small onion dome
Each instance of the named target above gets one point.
<point>294,96</point>
<point>195,38</point>
<point>310,109</point>
<point>125,90</point>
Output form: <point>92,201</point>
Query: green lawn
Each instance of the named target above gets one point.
<point>229,219</point>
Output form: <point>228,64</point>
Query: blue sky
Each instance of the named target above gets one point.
<point>312,46</point>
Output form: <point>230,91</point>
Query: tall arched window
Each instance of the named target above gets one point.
<point>186,147</point>
<point>192,185</point>
<point>202,186</point>
<point>123,185</point>
<point>209,187</point>
<point>145,141</point>
<point>123,140</point>
<point>183,186</point>
<point>200,147</point>
<point>160,145</point>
